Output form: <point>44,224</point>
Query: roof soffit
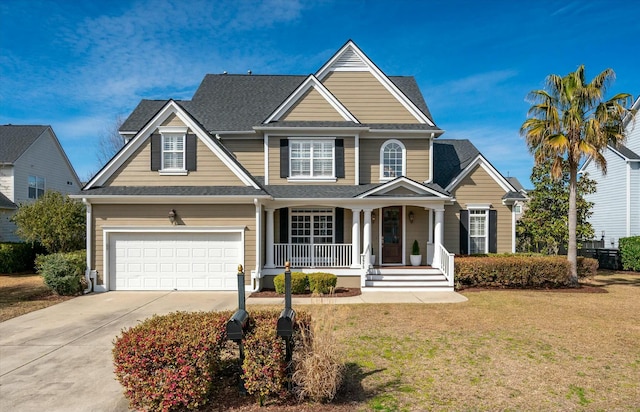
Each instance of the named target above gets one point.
<point>351,58</point>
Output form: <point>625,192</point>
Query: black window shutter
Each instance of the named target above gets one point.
<point>284,225</point>
<point>156,152</point>
<point>339,225</point>
<point>192,143</point>
<point>464,232</point>
<point>284,158</point>
<point>493,231</point>
<point>340,158</point>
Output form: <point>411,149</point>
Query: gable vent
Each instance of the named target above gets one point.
<point>349,59</point>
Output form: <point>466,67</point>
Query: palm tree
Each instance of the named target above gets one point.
<point>570,120</point>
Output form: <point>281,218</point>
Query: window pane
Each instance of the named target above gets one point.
<point>392,160</point>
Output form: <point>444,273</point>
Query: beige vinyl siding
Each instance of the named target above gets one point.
<point>312,106</point>
<point>274,163</point>
<point>249,152</point>
<point>477,188</point>
<point>136,171</point>
<point>155,215</point>
<point>417,152</point>
<point>366,98</point>
<point>173,120</point>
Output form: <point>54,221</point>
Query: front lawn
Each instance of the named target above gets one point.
<point>24,293</point>
<point>501,350</point>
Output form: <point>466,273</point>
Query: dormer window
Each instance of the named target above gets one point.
<point>392,160</point>
<point>173,151</point>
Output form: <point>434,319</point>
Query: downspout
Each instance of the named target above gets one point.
<point>87,272</point>
<point>256,275</point>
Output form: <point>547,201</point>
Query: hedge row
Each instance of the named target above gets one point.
<point>63,272</point>
<point>630,252</point>
<point>170,362</point>
<point>18,257</point>
<point>515,271</point>
<point>318,282</point>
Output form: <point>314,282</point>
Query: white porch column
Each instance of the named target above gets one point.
<point>366,231</point>
<point>438,232</point>
<point>355,239</point>
<point>269,236</point>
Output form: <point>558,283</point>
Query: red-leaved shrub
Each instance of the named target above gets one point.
<point>167,362</point>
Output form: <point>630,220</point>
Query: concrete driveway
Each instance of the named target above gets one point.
<point>59,358</point>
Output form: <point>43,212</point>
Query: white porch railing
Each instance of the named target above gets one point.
<point>312,256</point>
<point>445,263</point>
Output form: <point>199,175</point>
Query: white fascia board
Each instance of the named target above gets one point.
<point>421,133</point>
<point>482,162</point>
<point>309,83</point>
<point>136,199</point>
<point>378,74</point>
<point>170,108</point>
<point>405,183</point>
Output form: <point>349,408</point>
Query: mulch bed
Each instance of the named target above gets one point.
<point>579,289</point>
<point>339,292</point>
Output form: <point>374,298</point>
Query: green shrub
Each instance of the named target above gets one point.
<point>18,257</point>
<point>322,283</point>
<point>514,271</point>
<point>415,248</point>
<point>63,272</point>
<point>630,252</point>
<point>168,362</point>
<point>299,283</point>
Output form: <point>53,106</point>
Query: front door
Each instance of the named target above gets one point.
<point>392,235</point>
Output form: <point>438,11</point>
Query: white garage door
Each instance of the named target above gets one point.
<point>180,261</point>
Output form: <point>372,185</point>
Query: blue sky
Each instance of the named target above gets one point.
<point>77,65</point>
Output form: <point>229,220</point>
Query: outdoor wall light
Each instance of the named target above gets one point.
<point>411,216</point>
<point>172,216</point>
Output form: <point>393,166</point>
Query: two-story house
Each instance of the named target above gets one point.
<point>31,162</point>
<point>616,202</point>
<point>336,171</point>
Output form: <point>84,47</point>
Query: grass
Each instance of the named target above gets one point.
<point>501,350</point>
<point>24,293</point>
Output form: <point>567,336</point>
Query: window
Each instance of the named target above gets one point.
<point>312,226</point>
<point>36,187</point>
<point>173,152</point>
<point>392,160</point>
<point>517,209</point>
<point>478,231</point>
<point>311,158</point>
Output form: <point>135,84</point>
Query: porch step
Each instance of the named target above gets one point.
<point>403,279</point>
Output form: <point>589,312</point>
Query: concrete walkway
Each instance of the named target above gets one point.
<point>59,358</point>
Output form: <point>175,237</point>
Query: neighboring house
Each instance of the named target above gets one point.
<point>31,162</point>
<point>322,170</point>
<point>616,203</point>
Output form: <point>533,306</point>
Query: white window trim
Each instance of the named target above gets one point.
<point>312,178</point>
<point>175,170</point>
<point>404,159</point>
<point>44,186</point>
<point>485,214</point>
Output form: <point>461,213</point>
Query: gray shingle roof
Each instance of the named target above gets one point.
<point>318,191</point>
<point>514,196</point>
<point>228,102</point>
<point>15,139</point>
<point>451,156</point>
<point>626,152</point>
<point>5,203</point>
<point>212,191</point>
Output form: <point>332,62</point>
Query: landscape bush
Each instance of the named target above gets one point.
<point>515,271</point>
<point>168,362</point>
<point>299,283</point>
<point>63,272</point>
<point>264,366</point>
<point>322,283</point>
<point>18,257</point>
<point>630,252</point>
